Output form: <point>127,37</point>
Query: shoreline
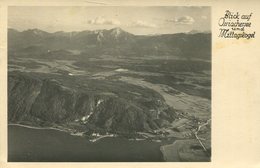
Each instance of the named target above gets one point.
<point>66,131</point>
<point>39,128</point>
<point>81,149</point>
<point>90,140</point>
<point>93,140</point>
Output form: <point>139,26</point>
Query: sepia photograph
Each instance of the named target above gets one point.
<point>109,83</point>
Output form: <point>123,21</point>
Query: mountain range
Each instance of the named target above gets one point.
<point>115,41</point>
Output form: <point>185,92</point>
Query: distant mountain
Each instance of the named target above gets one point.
<point>197,31</point>
<point>113,42</point>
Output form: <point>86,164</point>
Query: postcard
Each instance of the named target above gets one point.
<point>143,84</point>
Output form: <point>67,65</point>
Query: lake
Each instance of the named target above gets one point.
<point>46,145</point>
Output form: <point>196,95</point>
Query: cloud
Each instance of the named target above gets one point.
<point>183,20</point>
<point>142,24</point>
<point>204,17</point>
<point>103,21</point>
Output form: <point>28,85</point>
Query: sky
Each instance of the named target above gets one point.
<point>137,20</point>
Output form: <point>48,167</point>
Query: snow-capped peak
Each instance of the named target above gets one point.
<point>116,31</point>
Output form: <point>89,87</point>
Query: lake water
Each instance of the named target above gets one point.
<point>34,145</point>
